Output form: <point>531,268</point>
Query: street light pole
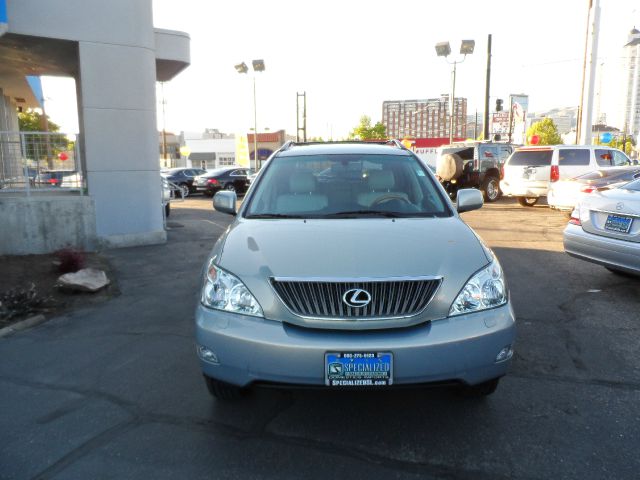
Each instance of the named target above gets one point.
<point>443,49</point>
<point>255,126</point>
<point>451,101</point>
<point>258,66</point>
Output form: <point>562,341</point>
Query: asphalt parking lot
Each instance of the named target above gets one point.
<point>115,391</point>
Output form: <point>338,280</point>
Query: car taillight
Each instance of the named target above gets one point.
<point>555,173</point>
<point>212,181</point>
<point>574,220</point>
<point>52,181</point>
<point>588,189</point>
<point>502,172</point>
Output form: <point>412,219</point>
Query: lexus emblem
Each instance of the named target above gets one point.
<point>356,298</point>
<point>619,206</point>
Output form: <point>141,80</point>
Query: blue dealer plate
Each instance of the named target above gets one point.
<point>358,369</point>
<point>617,223</point>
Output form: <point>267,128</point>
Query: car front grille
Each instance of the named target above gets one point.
<point>326,299</point>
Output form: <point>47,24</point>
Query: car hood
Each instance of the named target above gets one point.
<point>257,250</point>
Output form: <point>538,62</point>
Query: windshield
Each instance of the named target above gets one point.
<point>347,185</point>
<point>530,158</point>
<point>635,185</point>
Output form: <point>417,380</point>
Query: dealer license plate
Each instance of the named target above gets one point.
<point>616,223</point>
<point>358,369</point>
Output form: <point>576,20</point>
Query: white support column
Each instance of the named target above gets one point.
<point>585,131</point>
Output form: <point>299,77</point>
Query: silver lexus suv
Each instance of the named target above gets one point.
<point>348,266</point>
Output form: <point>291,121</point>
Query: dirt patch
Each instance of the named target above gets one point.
<point>19,273</point>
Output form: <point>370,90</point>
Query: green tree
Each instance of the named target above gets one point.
<point>364,131</point>
<point>620,143</point>
<point>33,121</point>
<point>42,146</point>
<point>546,130</point>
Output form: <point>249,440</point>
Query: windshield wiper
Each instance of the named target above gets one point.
<point>378,213</point>
<point>273,215</point>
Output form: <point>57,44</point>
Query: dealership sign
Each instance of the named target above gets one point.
<point>4,22</point>
<point>500,123</point>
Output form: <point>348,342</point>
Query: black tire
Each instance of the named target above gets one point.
<point>481,390</point>
<point>224,391</point>
<point>167,210</point>
<point>491,189</point>
<point>230,187</point>
<point>527,201</point>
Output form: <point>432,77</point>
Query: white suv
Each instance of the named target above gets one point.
<point>529,171</point>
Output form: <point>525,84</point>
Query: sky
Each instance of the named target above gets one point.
<point>350,56</point>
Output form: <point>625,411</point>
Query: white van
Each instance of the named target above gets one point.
<point>529,171</point>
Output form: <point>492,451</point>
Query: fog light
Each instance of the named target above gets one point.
<point>207,355</point>
<point>505,354</point>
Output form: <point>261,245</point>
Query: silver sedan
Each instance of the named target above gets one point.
<point>605,229</point>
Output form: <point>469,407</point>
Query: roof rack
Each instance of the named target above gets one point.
<point>393,142</point>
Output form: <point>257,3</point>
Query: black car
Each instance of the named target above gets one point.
<point>183,178</point>
<point>226,178</point>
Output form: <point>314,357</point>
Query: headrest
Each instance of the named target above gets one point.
<point>302,182</point>
<point>381,180</point>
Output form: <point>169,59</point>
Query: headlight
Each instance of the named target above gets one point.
<point>224,291</point>
<point>484,290</point>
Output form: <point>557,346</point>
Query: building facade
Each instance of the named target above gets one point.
<point>424,118</point>
<point>115,56</point>
<point>631,120</point>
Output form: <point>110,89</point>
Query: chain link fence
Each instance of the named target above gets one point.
<point>40,161</point>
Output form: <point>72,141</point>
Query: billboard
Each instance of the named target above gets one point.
<point>519,107</point>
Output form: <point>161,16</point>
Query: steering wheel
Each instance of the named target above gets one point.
<point>389,197</point>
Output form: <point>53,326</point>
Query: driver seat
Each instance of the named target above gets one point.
<point>379,183</point>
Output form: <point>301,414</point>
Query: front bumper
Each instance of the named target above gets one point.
<point>255,350</point>
<point>609,252</point>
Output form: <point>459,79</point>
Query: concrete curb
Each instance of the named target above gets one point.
<point>22,325</point>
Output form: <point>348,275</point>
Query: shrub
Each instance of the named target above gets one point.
<point>20,302</point>
<point>70,260</point>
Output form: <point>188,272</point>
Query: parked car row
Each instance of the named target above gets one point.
<point>183,178</point>
<point>530,172</point>
<point>197,180</point>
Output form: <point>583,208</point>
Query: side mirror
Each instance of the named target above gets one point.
<point>469,199</point>
<point>225,202</point>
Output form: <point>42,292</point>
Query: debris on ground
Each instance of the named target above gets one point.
<point>85,280</point>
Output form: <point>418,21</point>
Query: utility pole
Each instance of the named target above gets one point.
<point>487,89</point>
<point>475,126</point>
<point>304,116</point>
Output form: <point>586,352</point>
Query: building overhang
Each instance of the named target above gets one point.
<point>24,55</point>
<point>173,53</point>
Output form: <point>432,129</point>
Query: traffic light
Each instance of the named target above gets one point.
<point>498,105</point>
